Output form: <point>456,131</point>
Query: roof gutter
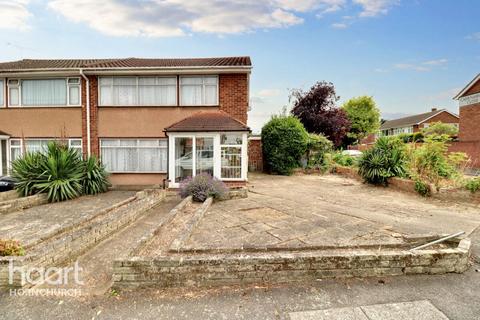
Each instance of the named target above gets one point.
<point>87,83</point>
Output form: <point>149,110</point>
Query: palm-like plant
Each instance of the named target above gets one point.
<point>95,180</point>
<point>27,171</point>
<point>62,175</point>
<point>384,160</point>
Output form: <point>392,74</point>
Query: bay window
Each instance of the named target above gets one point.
<point>134,155</point>
<point>44,92</point>
<point>199,90</point>
<point>138,91</point>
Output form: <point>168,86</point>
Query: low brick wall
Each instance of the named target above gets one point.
<point>76,240</point>
<point>406,185</point>
<point>8,195</point>
<point>281,267</point>
<point>22,203</point>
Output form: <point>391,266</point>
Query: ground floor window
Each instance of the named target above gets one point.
<point>134,155</point>
<point>15,148</point>
<point>222,155</point>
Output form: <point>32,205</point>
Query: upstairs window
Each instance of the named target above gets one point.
<point>44,92</point>
<point>138,91</point>
<point>2,90</point>
<point>199,91</point>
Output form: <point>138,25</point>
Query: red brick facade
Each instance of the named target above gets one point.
<point>444,117</point>
<point>469,134</point>
<point>255,155</point>
<point>94,141</point>
<point>233,96</point>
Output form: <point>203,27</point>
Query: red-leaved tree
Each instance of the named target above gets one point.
<point>318,112</point>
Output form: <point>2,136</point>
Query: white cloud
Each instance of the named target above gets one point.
<point>437,62</point>
<point>474,36</point>
<point>423,66</point>
<point>14,14</point>
<point>169,18</point>
<point>372,8</point>
<point>339,25</point>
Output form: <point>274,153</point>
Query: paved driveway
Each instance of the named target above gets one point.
<point>324,211</point>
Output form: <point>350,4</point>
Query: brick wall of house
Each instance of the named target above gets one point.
<point>233,96</point>
<point>470,123</point>
<point>471,148</point>
<point>255,155</point>
<point>94,142</point>
<point>444,117</point>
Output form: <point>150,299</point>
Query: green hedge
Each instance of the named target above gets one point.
<point>284,142</point>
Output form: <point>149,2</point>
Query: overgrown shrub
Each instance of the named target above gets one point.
<point>11,248</point>
<point>203,186</point>
<point>473,185</point>
<point>95,180</point>
<point>59,172</point>
<point>431,163</point>
<point>343,159</point>
<point>284,142</point>
<point>422,188</point>
<point>439,128</point>
<point>411,137</point>
<point>318,147</point>
<point>384,160</point>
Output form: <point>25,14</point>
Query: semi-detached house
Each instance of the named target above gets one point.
<point>149,120</point>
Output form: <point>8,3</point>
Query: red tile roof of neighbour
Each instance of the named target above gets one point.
<point>208,121</point>
<point>412,120</point>
<point>56,64</point>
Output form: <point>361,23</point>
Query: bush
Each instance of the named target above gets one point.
<point>203,186</point>
<point>59,172</point>
<point>284,142</point>
<point>439,128</point>
<point>422,188</point>
<point>384,160</point>
<point>96,177</point>
<point>11,248</point>
<point>317,147</point>
<point>343,159</point>
<point>430,162</point>
<point>473,185</point>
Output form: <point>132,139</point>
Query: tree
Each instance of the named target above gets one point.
<point>439,128</point>
<point>284,142</point>
<point>317,110</point>
<point>364,117</point>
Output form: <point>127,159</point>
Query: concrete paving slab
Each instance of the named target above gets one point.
<point>330,314</point>
<point>415,310</point>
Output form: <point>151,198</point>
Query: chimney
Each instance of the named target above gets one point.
<point>434,109</point>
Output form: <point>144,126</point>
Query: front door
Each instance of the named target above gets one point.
<point>3,157</point>
<point>191,155</point>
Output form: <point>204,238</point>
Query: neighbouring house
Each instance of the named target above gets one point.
<point>469,134</point>
<point>149,120</point>
<point>417,122</point>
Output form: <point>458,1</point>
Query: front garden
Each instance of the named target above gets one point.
<point>313,136</point>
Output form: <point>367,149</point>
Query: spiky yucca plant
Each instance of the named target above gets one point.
<point>96,177</point>
<point>27,171</point>
<point>384,160</point>
<point>63,173</point>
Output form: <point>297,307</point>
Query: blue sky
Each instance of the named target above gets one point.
<point>409,55</point>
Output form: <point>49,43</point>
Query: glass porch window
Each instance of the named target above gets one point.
<point>231,156</point>
<point>183,158</point>
<point>204,155</point>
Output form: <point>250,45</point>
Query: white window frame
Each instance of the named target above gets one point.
<point>135,147</point>
<point>137,90</point>
<point>22,146</point>
<point>203,90</point>
<point>243,152</point>
<point>217,156</point>
<point>68,85</point>
<point>3,87</point>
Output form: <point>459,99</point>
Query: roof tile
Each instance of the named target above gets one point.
<point>208,121</point>
<point>411,120</point>
<point>33,64</point>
